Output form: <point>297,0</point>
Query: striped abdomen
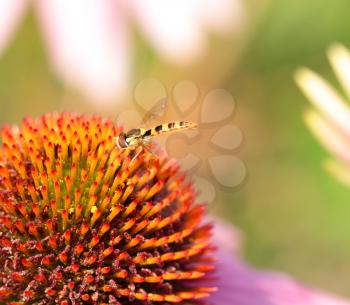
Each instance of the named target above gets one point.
<point>169,127</point>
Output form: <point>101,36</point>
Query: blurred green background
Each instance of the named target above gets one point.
<point>294,216</point>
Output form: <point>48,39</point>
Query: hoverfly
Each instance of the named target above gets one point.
<point>140,137</point>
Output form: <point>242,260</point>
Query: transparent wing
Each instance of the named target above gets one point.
<point>129,119</point>
<point>151,147</point>
<point>156,111</point>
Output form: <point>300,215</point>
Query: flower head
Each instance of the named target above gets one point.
<point>83,222</point>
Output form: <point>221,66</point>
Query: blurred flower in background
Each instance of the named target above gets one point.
<point>329,120</point>
<point>89,43</point>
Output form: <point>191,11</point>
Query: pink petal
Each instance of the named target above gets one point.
<point>172,28</point>
<point>226,236</point>
<point>240,284</point>
<point>221,16</point>
<point>176,29</point>
<point>88,45</point>
<point>11,14</point>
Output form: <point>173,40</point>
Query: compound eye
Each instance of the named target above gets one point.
<point>121,140</point>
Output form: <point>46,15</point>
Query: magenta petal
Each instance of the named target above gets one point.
<point>239,284</point>
<point>226,235</point>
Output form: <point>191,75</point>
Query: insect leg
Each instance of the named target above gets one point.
<point>138,150</point>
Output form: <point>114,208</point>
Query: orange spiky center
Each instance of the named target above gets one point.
<point>84,222</point>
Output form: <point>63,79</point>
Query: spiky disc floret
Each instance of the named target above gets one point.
<point>83,222</point>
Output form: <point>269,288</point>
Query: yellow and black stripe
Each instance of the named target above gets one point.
<point>167,128</point>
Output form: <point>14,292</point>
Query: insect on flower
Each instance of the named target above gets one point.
<point>140,137</point>
<point>85,225</point>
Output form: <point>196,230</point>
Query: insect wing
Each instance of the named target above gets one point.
<point>152,148</point>
<point>157,111</point>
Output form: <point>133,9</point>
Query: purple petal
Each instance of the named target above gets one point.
<point>240,284</point>
<point>226,236</point>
